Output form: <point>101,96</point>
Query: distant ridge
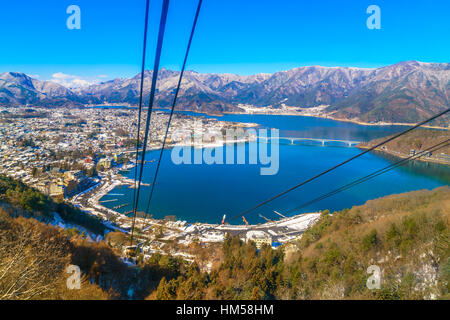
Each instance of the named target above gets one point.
<point>405,92</point>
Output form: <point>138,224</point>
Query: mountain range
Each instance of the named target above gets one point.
<point>405,92</point>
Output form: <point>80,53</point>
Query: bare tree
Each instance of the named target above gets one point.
<point>32,259</point>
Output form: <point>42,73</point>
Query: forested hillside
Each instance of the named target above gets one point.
<point>34,256</point>
<point>20,199</point>
<point>406,235</point>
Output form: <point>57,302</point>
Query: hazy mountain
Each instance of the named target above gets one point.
<point>19,89</point>
<point>405,92</point>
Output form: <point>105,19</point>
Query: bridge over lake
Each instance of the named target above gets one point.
<point>322,141</point>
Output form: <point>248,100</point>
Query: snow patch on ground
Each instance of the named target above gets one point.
<point>60,223</point>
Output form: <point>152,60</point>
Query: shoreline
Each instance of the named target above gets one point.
<point>120,179</point>
<point>104,187</point>
<point>182,230</point>
<point>285,113</point>
<point>387,123</point>
<point>326,116</point>
<point>399,155</point>
<point>320,116</point>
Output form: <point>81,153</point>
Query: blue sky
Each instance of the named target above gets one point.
<point>236,36</point>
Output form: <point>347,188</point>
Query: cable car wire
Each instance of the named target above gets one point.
<point>162,26</point>
<point>172,109</point>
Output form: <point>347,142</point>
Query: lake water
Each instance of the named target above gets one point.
<point>206,192</point>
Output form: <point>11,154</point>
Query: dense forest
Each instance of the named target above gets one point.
<point>406,235</point>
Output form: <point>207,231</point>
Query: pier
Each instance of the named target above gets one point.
<point>121,206</point>
<point>103,201</point>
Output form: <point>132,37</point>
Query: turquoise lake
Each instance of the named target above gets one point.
<point>205,193</point>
